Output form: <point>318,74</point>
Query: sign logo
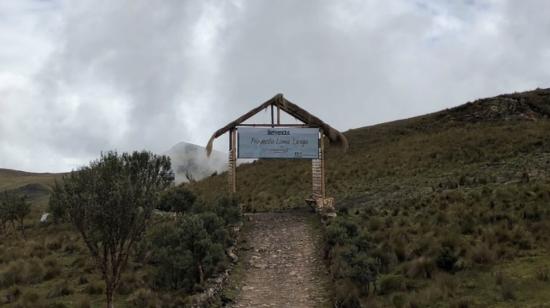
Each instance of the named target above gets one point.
<point>278,132</point>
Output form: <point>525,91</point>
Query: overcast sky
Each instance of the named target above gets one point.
<point>81,77</point>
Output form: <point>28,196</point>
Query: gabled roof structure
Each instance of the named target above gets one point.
<point>333,135</point>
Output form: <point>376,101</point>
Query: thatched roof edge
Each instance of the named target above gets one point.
<point>333,135</point>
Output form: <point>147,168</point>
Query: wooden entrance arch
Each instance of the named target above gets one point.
<point>276,104</point>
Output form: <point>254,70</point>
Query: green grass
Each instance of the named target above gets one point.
<point>62,246</point>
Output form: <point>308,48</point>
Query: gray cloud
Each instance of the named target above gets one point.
<point>82,77</point>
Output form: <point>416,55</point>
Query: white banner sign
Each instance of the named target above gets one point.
<point>290,142</point>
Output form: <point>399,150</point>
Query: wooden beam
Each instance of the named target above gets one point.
<point>278,115</point>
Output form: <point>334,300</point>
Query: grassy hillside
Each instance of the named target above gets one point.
<point>446,209</point>
<point>49,265</point>
<point>490,141</point>
<point>26,181</point>
<point>36,186</point>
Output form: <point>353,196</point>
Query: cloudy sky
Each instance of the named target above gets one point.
<point>81,77</point>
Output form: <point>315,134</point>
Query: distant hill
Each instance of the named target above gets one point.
<point>34,185</point>
<point>189,161</point>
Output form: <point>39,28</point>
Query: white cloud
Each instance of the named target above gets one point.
<point>79,77</point>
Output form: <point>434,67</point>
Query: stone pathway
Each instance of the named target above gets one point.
<point>283,264</point>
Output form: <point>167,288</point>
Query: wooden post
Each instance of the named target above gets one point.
<point>272,117</point>
<point>318,173</point>
<point>232,170</point>
<point>278,115</point>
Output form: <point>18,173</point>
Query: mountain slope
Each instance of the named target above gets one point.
<point>31,184</point>
<point>445,209</point>
<point>493,140</point>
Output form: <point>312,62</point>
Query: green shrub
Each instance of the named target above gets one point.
<point>446,259</point>
<point>190,249</point>
<point>52,272</point>
<point>178,199</point>
<point>35,271</point>
<point>54,244</point>
<point>94,288</point>
<point>71,248</point>
<point>507,291</point>
<point>482,254</point>
<point>52,268</point>
<point>59,289</point>
<point>446,283</point>
<point>82,280</point>
<point>499,278</point>
<point>342,231</point>
<point>30,299</point>
<point>142,298</point>
<point>543,274</point>
<point>56,205</point>
<point>462,303</point>
<point>38,250</point>
<point>390,283</point>
<point>399,300</point>
<point>127,284</point>
<point>84,302</point>
<point>185,253</point>
<point>56,305</point>
<point>346,295</point>
<point>420,268</point>
<point>11,295</point>
<point>13,208</point>
<point>13,274</point>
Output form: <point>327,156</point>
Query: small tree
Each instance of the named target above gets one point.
<point>110,202</point>
<point>13,208</point>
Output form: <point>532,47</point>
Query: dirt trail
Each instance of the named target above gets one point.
<point>283,265</point>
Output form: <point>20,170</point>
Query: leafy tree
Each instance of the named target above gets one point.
<point>13,208</point>
<point>178,199</point>
<point>110,203</point>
